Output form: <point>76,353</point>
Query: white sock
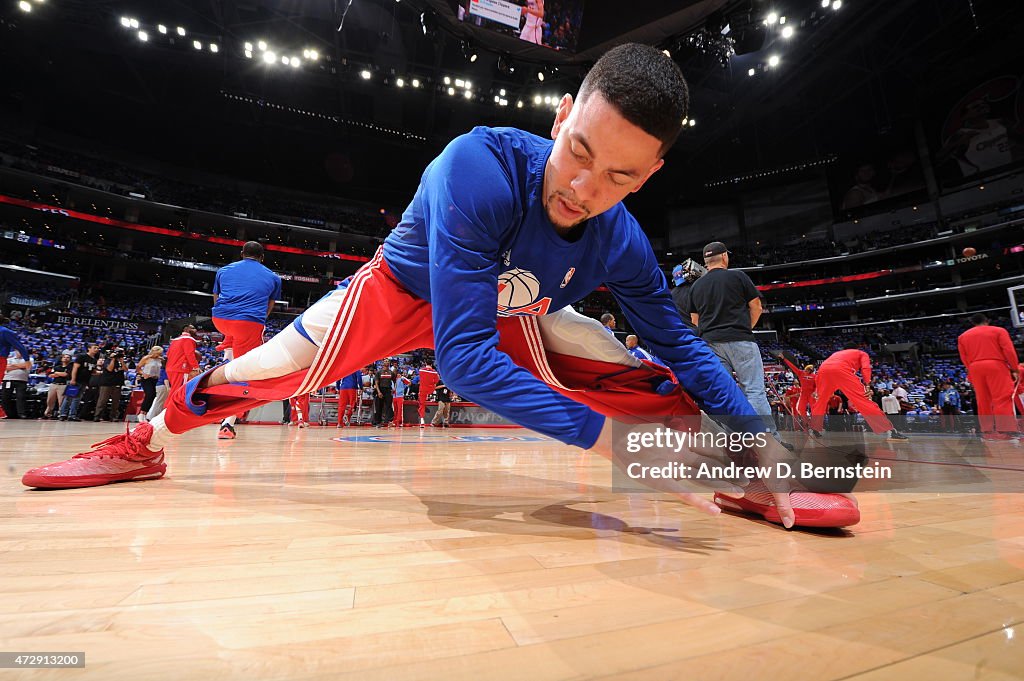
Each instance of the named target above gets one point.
<point>229,421</point>
<point>161,435</point>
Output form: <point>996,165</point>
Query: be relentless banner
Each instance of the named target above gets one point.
<point>69,319</point>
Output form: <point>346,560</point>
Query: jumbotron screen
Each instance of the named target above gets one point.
<point>551,23</point>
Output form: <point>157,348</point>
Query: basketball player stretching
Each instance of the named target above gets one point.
<point>533,29</point>
<point>497,200</point>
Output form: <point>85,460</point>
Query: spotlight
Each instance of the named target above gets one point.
<point>782,20</point>
<point>248,47</point>
<point>134,23</point>
<point>469,86</point>
<point>314,55</point>
<point>501,92</point>
<point>536,99</point>
<point>214,48</point>
<point>181,31</point>
<point>787,32</point>
<point>825,3</point>
<point>469,52</point>
<point>248,54</point>
<point>772,18</point>
<point>295,62</point>
<point>364,74</point>
<point>773,60</point>
<point>126,22</point>
<point>143,36</point>
<point>162,29</point>
<point>837,4</point>
<point>262,45</point>
<point>468,94</point>
<point>451,91</point>
<point>750,72</point>
<point>519,104</point>
<point>547,99</point>
<point>415,82</point>
<point>540,75</point>
<point>667,53</point>
<point>447,80</point>
<point>460,83</point>
<point>693,122</point>
<point>270,57</point>
<point>400,83</point>
<point>196,44</point>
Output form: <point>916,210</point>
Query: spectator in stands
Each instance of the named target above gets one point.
<point>243,297</point>
<point>15,383</point>
<point>111,383</point>
<point>148,372</point>
<point>839,372</point>
<point>901,394</point>
<point>59,377</point>
<point>991,362</point>
<point>890,405</point>
<point>182,357</point>
<point>81,373</point>
<point>725,307</point>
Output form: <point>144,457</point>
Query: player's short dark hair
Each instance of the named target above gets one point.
<point>645,86</point>
<point>978,318</point>
<point>850,345</point>
<point>252,249</point>
<point>607,317</point>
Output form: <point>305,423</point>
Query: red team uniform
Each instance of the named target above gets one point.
<point>181,360</point>
<point>989,356</point>
<point>839,372</point>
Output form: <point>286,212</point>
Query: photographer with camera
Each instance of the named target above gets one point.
<point>111,382</point>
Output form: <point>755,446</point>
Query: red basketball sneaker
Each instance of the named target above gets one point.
<point>116,459</point>
<point>810,509</point>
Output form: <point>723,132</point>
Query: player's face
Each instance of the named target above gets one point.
<point>599,157</point>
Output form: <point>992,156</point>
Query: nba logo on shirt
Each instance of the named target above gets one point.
<point>517,294</point>
<point>568,277</point>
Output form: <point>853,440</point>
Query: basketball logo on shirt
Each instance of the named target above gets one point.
<point>517,294</point>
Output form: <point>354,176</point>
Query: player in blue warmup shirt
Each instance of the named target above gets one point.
<point>243,296</point>
<point>504,233</point>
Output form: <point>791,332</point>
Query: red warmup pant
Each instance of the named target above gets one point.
<point>346,401</point>
<point>176,379</point>
<point>383,319</point>
<point>830,380</point>
<point>806,401</point>
<point>993,392</point>
<point>398,403</point>
<point>240,335</point>
<point>300,408</point>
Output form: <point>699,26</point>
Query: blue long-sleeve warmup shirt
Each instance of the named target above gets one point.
<point>477,224</point>
<point>9,340</point>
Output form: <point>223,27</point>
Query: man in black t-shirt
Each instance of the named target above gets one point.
<point>81,372</point>
<point>444,405</point>
<point>111,381</point>
<point>725,307</point>
<point>385,409</point>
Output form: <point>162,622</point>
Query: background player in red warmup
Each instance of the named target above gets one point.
<point>992,365</point>
<point>839,372</point>
<point>243,295</point>
<point>428,381</point>
<point>182,358</point>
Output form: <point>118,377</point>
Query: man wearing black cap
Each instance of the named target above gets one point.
<point>725,306</point>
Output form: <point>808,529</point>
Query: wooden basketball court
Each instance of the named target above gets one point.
<point>486,554</point>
